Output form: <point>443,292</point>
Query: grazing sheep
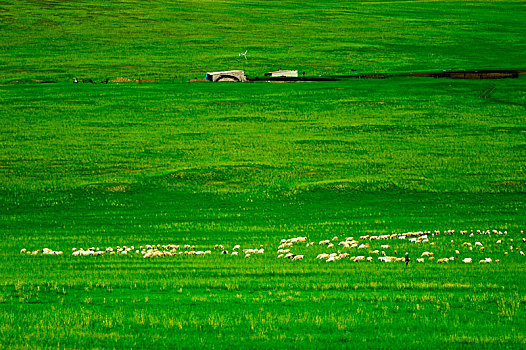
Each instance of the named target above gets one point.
<point>323,256</point>
<point>235,253</point>
<point>236,247</point>
<point>427,254</point>
<point>369,259</point>
<point>298,257</point>
<point>284,245</point>
<point>420,260</point>
<point>443,260</point>
<point>467,260</point>
<point>521,253</point>
<point>387,258</point>
<point>280,256</point>
<point>385,246</point>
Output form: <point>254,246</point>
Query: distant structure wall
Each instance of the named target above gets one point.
<point>283,73</point>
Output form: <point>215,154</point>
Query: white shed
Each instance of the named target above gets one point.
<point>283,73</point>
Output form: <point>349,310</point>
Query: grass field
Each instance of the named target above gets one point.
<point>171,40</point>
<point>203,164</point>
<point>250,164</point>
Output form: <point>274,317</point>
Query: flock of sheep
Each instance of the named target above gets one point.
<point>365,248</point>
<point>348,246</point>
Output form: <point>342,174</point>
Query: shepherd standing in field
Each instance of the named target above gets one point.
<point>407,258</point>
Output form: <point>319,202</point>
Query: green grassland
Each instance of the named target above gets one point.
<point>202,164</point>
<point>100,165</point>
<point>170,40</point>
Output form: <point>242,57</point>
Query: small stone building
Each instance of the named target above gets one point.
<point>230,75</point>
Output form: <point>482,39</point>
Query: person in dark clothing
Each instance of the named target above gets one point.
<point>407,258</point>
